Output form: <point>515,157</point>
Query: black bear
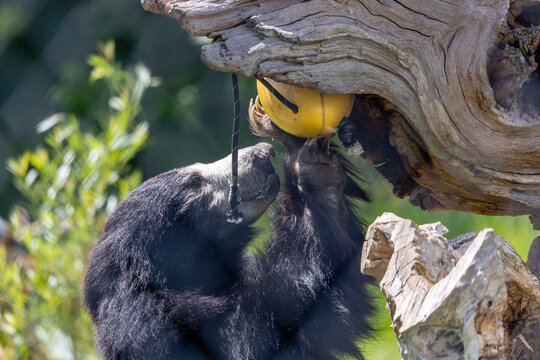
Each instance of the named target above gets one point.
<point>169,277</point>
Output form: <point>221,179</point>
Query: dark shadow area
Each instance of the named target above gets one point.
<point>513,65</point>
<point>372,122</point>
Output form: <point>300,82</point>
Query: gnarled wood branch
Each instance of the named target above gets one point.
<point>449,91</point>
<point>471,297</point>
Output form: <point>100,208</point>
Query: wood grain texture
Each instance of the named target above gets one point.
<point>451,89</point>
<point>471,297</point>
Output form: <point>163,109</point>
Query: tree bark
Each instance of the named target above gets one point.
<point>471,297</point>
<point>448,101</point>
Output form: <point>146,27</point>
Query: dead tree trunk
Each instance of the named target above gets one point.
<point>448,98</point>
<point>471,297</point>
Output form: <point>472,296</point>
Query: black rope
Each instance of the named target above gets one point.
<point>278,95</point>
<point>234,216</point>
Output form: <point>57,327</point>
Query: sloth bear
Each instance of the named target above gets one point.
<point>169,277</point>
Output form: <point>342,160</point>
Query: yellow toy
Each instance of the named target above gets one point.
<point>303,112</point>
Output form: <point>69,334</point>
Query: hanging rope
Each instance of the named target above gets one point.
<point>234,216</point>
<point>277,94</point>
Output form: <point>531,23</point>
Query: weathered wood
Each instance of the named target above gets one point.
<point>426,66</point>
<point>471,297</point>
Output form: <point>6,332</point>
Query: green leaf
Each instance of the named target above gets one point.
<point>39,158</point>
<point>101,68</point>
<point>107,49</point>
<point>19,167</point>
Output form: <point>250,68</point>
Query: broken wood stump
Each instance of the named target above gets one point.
<point>470,297</point>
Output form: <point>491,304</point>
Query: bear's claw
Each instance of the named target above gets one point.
<point>261,125</point>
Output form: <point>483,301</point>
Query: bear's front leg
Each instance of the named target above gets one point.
<point>299,289</point>
<point>318,296</point>
<point>318,175</point>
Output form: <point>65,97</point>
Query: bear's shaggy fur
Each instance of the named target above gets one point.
<point>169,278</point>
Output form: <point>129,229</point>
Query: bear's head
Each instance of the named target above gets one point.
<point>258,186</point>
<point>195,198</point>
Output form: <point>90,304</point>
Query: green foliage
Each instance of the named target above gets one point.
<point>71,185</point>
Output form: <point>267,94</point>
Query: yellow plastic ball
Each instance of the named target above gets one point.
<point>318,114</point>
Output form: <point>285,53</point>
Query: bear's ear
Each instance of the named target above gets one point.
<point>193,180</point>
<point>190,195</point>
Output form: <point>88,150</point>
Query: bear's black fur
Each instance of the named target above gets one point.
<point>169,278</point>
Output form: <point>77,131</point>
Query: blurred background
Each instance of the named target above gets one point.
<point>79,131</point>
